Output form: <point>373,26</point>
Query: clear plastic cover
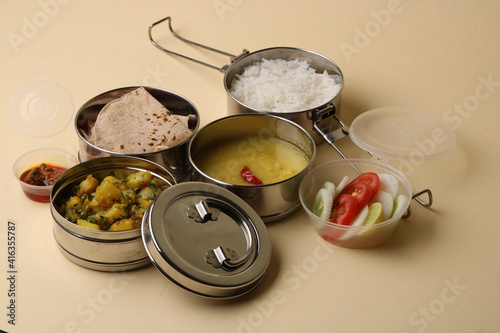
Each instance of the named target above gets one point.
<point>395,132</point>
<point>41,108</point>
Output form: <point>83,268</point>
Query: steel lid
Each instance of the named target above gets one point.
<point>395,132</point>
<point>207,240</point>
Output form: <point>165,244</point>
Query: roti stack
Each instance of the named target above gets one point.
<point>137,123</point>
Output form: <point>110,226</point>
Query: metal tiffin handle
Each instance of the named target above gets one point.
<point>232,57</point>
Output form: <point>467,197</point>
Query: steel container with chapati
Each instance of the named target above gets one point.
<point>146,122</point>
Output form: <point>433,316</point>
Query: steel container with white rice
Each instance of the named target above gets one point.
<point>293,83</point>
<point>296,84</point>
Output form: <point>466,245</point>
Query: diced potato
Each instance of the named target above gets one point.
<point>144,203</point>
<point>74,203</point>
<point>71,215</point>
<point>115,212</point>
<point>115,181</point>
<point>108,193</point>
<point>157,183</point>
<point>139,179</point>
<point>94,206</point>
<point>107,217</point>
<point>137,212</point>
<point>148,192</point>
<point>128,195</point>
<point>125,224</point>
<point>87,224</point>
<point>87,186</point>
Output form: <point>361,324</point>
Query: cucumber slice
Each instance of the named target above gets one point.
<point>323,204</point>
<point>330,187</point>
<point>400,203</point>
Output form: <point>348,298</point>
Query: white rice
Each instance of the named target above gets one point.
<point>284,86</point>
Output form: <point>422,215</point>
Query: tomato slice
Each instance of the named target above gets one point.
<point>361,191</point>
<point>345,207</point>
<point>370,178</point>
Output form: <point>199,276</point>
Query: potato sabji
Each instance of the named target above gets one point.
<point>118,202</point>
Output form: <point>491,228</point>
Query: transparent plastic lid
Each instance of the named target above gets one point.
<point>395,132</point>
<point>41,108</point>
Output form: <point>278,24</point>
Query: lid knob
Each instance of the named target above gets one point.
<point>218,256</point>
<point>200,212</point>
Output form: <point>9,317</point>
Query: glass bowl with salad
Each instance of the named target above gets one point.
<point>355,203</point>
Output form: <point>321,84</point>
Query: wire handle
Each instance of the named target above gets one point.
<point>169,20</point>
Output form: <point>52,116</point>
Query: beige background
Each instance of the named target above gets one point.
<point>440,272</point>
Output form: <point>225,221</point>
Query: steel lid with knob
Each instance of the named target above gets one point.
<point>206,240</point>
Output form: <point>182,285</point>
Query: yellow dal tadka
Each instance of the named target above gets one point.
<point>271,160</point>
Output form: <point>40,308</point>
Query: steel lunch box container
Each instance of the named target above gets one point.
<point>320,116</point>
<point>324,117</point>
<point>174,159</point>
<point>271,201</point>
<point>96,249</point>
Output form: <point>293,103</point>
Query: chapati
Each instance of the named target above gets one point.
<point>137,123</point>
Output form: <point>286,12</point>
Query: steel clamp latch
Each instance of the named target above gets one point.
<point>201,213</point>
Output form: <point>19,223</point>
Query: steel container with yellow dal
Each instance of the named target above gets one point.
<point>252,160</point>
<point>260,158</point>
